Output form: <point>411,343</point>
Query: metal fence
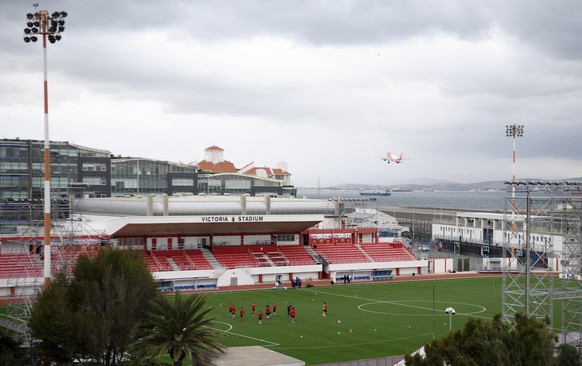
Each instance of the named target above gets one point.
<point>384,361</point>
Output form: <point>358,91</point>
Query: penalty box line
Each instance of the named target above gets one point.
<point>400,304</point>
<point>270,344</point>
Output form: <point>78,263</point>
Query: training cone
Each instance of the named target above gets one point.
<point>350,331</point>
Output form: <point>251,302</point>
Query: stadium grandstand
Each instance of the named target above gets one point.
<point>207,242</point>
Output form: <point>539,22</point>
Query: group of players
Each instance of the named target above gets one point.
<point>268,312</point>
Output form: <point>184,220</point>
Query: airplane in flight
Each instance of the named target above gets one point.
<point>392,158</point>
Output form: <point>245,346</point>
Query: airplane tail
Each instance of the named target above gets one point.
<point>393,158</point>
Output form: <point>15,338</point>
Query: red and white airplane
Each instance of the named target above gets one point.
<point>392,158</point>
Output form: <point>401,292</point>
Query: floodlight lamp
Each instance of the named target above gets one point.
<point>51,39</point>
<point>37,23</point>
<point>52,29</point>
<point>27,30</point>
<point>58,37</point>
<point>61,29</point>
<point>34,30</point>
<point>64,14</point>
<point>33,38</point>
<point>62,22</point>
<point>29,24</point>
<point>26,39</point>
<point>30,16</point>
<point>56,14</point>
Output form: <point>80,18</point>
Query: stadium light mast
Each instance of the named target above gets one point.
<point>50,27</point>
<point>513,131</point>
<point>450,311</point>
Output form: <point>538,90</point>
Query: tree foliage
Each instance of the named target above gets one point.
<point>94,314</point>
<point>481,343</point>
<point>11,350</point>
<point>178,326</point>
<point>568,355</point>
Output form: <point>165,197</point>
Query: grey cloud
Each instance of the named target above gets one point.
<point>552,26</point>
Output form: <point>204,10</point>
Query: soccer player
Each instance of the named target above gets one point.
<point>274,309</point>
<point>260,316</point>
<point>292,314</point>
<point>242,313</point>
<point>231,310</point>
<point>253,309</point>
<point>324,314</point>
<point>268,311</point>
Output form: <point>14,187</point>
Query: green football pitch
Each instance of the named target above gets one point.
<point>364,320</point>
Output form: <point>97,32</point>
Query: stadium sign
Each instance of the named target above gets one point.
<point>223,218</point>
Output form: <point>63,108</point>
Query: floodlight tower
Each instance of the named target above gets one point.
<point>450,311</point>
<point>50,27</point>
<point>513,131</point>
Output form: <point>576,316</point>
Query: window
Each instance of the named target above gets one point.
<point>286,238</point>
<point>95,181</point>
<point>94,167</point>
<point>237,184</point>
<point>183,182</point>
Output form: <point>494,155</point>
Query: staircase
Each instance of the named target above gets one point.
<point>316,257</point>
<point>364,253</point>
<point>210,258</point>
<point>173,264</point>
<point>268,260</point>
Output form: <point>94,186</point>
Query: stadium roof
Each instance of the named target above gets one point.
<point>199,225</point>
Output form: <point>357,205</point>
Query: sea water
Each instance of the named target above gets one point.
<point>478,200</point>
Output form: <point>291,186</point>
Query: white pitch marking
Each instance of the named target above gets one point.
<point>242,335</point>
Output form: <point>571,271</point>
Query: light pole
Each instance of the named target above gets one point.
<point>451,312</point>
<point>49,27</point>
<point>413,226</point>
<point>513,131</point>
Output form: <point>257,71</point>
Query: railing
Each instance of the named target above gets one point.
<point>192,264</point>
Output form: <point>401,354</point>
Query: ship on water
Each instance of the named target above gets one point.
<point>401,189</point>
<point>376,193</point>
<point>574,191</point>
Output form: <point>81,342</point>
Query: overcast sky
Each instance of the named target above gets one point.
<point>327,86</point>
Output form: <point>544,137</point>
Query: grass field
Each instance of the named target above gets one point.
<point>364,321</point>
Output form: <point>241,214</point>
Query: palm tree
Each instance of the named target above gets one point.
<point>178,326</point>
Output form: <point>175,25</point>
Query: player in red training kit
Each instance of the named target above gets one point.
<point>292,315</point>
<point>274,309</point>
<point>253,309</point>
<point>260,317</point>
<point>231,310</point>
<point>324,314</point>
<point>242,314</point>
<point>268,311</point>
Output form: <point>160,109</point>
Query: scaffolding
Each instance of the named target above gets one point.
<point>70,238</point>
<point>543,254</point>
